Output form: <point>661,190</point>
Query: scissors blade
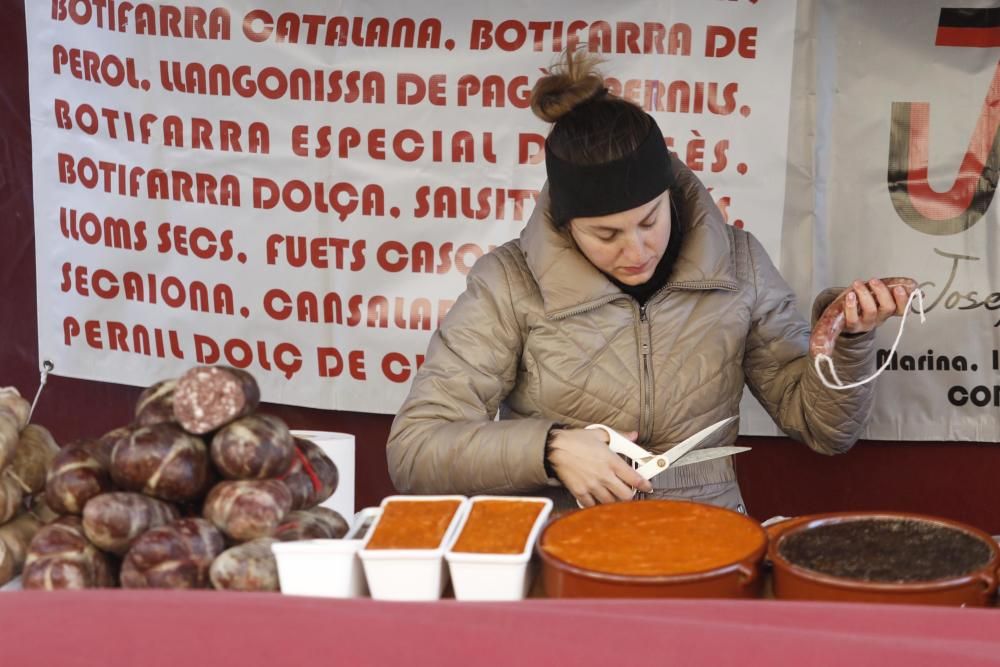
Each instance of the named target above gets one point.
<point>658,464</point>
<point>690,443</point>
<point>699,455</point>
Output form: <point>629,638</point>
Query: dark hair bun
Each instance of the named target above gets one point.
<point>573,80</point>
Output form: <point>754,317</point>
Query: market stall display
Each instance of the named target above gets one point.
<point>153,504</point>
<point>198,476</point>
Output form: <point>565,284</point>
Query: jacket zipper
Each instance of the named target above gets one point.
<point>645,335</point>
<point>587,307</point>
<point>646,379</point>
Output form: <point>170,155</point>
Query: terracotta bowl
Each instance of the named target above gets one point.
<point>652,549</point>
<point>795,582</point>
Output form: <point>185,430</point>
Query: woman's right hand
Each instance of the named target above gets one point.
<point>589,470</point>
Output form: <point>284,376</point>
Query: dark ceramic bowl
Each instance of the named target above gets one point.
<point>792,581</point>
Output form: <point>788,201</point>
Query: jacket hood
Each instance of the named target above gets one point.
<point>568,281</point>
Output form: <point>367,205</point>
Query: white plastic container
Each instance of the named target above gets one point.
<point>484,576</point>
<point>325,568</point>
<point>410,574</point>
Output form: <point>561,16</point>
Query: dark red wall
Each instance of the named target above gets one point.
<point>956,480</point>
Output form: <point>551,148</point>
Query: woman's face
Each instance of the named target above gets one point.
<point>626,246</point>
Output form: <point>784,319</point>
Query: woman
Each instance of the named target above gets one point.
<point>626,301</point>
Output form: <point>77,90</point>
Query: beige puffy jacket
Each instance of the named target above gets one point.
<point>543,337</point>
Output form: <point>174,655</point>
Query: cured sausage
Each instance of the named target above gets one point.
<point>156,404</point>
<point>831,323</point>
<point>11,401</point>
<point>312,477</point>
<point>103,447</point>
<point>9,437</point>
<point>11,496</point>
<point>177,555</point>
<point>253,447</point>
<point>208,397</point>
<point>248,509</point>
<point>36,450</point>
<point>314,524</point>
<point>76,476</point>
<point>298,482</point>
<point>61,557</point>
<point>15,537</point>
<point>246,567</point>
<point>113,521</point>
<point>161,461</point>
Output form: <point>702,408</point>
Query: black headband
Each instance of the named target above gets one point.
<point>586,191</point>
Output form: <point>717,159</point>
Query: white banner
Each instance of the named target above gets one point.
<point>301,193</point>
<point>907,111</point>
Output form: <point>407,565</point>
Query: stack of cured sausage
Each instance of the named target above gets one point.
<point>191,495</point>
<point>26,453</point>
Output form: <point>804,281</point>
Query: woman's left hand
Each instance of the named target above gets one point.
<point>870,304</point>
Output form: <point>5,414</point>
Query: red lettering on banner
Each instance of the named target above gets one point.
<point>397,368</point>
<point>135,128</point>
<point>331,363</point>
<point>298,196</point>
<point>148,288</point>
<point>721,41</point>
<point>173,131</point>
<point>599,36</point>
<point>190,22</point>
<point>721,158</point>
<point>154,184</point>
<point>447,202</point>
<point>285,357</point>
<point>695,151</point>
<point>412,89</point>
<point>200,242</point>
<point>530,148</point>
<point>299,251</point>
<point>407,144</point>
<point>137,339</point>
<point>63,121</point>
<point>71,329</point>
<point>260,25</point>
<point>90,66</point>
<point>494,92</point>
<point>677,96</point>
<point>423,257</point>
<point>355,310</point>
<point>111,232</point>
<point>272,83</point>
<point>723,202</point>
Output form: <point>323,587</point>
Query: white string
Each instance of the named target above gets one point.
<point>915,294</point>
<point>47,366</point>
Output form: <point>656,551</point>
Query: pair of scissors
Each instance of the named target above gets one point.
<point>650,465</point>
